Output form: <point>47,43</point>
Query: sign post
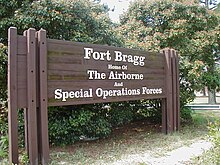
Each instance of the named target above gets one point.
<point>12,95</point>
<point>45,72</point>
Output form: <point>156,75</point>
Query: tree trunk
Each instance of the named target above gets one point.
<point>212,97</point>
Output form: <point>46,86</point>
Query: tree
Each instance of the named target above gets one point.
<point>7,9</point>
<point>71,20</point>
<point>75,20</point>
<point>211,5</point>
<point>189,28</point>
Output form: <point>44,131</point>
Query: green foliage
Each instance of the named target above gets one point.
<point>23,159</point>
<point>3,146</point>
<point>214,133</point>
<point>7,11</point>
<point>151,109</point>
<point>72,123</point>
<point>21,130</point>
<point>3,74</point>
<point>68,124</point>
<point>161,25</point>
<point>186,115</point>
<point>99,127</point>
<point>190,29</point>
<point>76,20</point>
<point>7,8</point>
<point>125,112</point>
<point>3,132</point>
<point>120,113</point>
<point>217,9</point>
<point>3,121</point>
<point>4,125</point>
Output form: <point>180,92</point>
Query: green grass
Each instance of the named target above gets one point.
<point>211,156</point>
<point>202,117</point>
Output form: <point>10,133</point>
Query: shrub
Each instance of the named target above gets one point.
<point>3,74</point>
<point>98,128</point>
<point>120,113</point>
<point>3,120</point>
<point>185,115</point>
<point>151,109</point>
<point>68,124</point>
<point>71,123</point>
<point>3,146</point>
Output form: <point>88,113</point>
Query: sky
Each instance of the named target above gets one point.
<point>119,7</point>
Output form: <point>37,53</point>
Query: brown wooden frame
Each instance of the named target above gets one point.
<point>31,60</point>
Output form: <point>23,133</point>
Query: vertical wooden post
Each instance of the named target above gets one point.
<point>169,101</point>
<point>32,101</point>
<point>43,111</point>
<point>12,96</point>
<point>176,92</point>
<point>26,118</point>
<point>174,85</point>
<point>164,115</point>
<point>171,105</point>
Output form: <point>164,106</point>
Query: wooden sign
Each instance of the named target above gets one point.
<point>86,73</point>
<point>45,72</point>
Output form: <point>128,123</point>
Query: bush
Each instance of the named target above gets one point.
<point>120,113</point>
<point>3,74</point>
<point>3,120</point>
<point>3,146</point>
<point>3,132</point>
<point>151,109</point>
<point>72,123</point>
<point>98,128</point>
<point>68,124</point>
<point>185,115</point>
